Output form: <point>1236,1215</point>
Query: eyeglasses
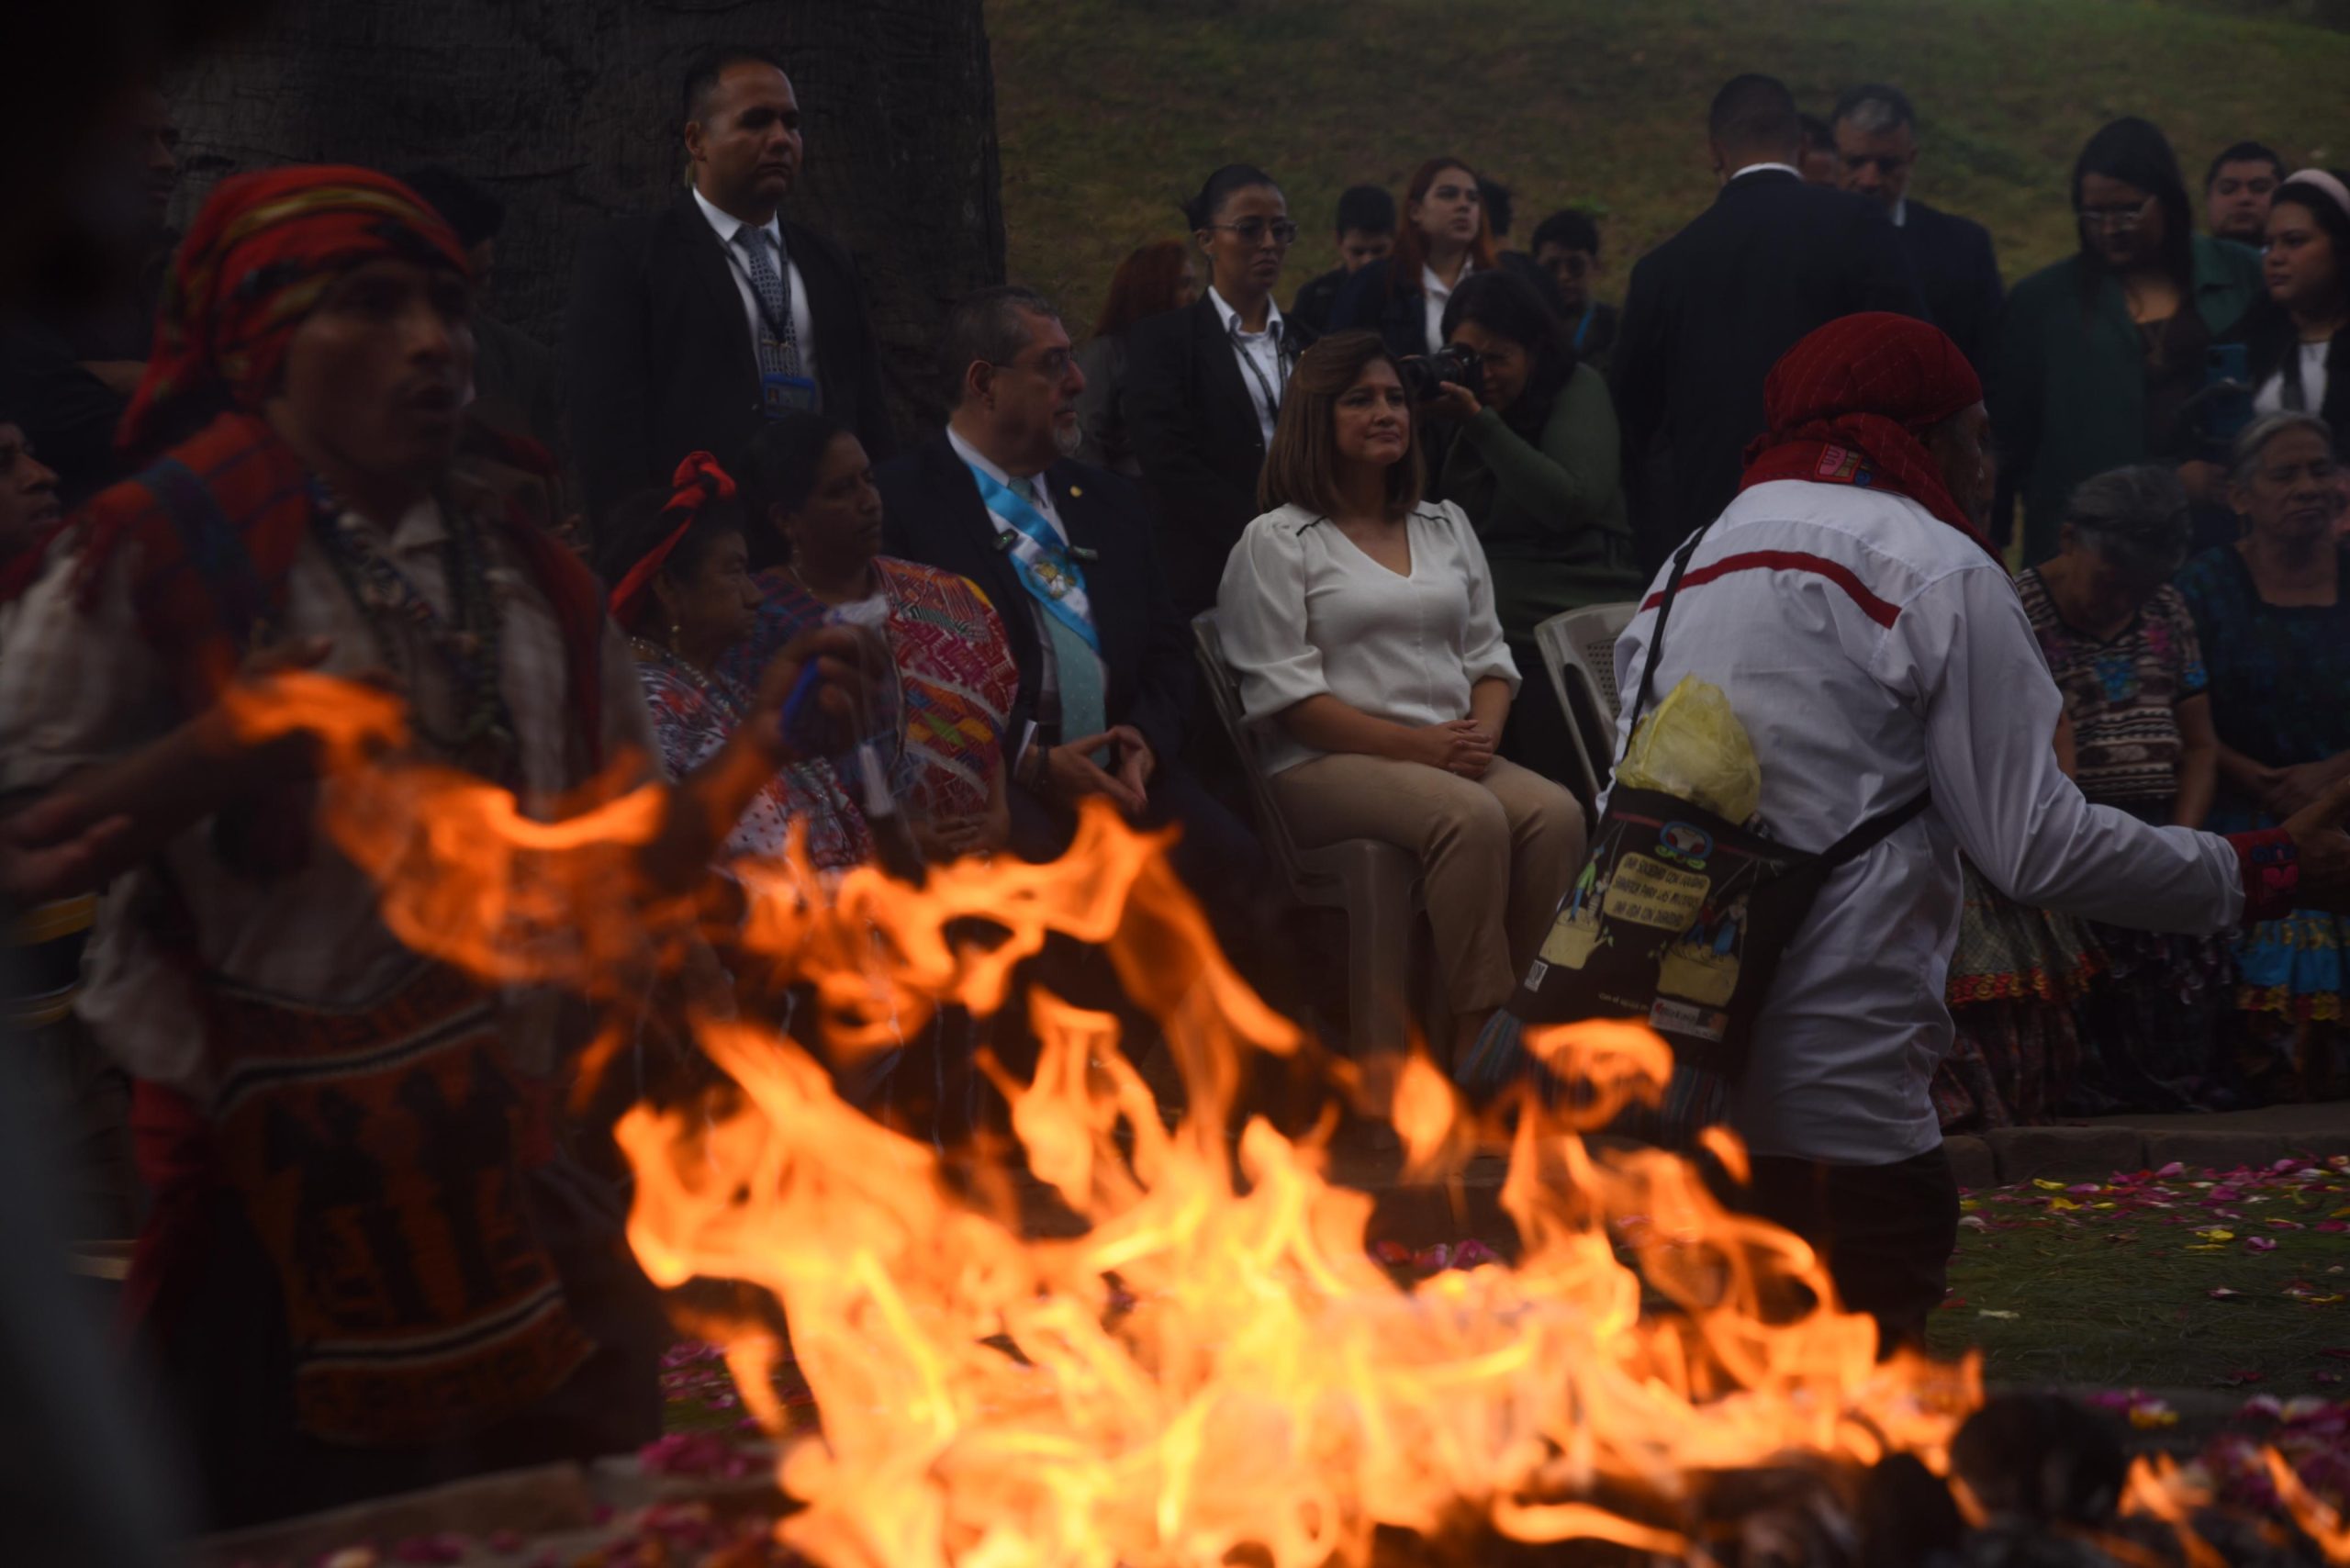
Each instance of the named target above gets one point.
<point>2121,220</point>
<point>1888,164</point>
<point>1052,368</point>
<point>1252,230</point>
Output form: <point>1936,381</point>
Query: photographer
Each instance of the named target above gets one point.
<point>1537,465</point>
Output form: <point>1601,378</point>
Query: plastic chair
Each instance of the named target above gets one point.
<point>1376,884</point>
<point>1579,653</point>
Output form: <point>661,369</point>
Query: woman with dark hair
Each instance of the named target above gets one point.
<point>808,487</point>
<point>1204,386</point>
<point>2299,333</point>
<point>2098,357</point>
<point>1537,466</point>
<point>1159,277</point>
<point>1360,619</point>
<point>2273,620</point>
<point>679,566</point>
<point>1444,237</point>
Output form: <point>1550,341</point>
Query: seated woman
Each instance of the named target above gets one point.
<point>2275,627</point>
<point>1361,622</point>
<point>807,480</point>
<point>1154,280</point>
<point>682,591</point>
<point>2123,647</point>
<point>1538,467</point>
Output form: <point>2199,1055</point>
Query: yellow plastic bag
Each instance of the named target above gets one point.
<point>1692,746</point>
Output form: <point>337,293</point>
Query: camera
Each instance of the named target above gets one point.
<point>1427,375</point>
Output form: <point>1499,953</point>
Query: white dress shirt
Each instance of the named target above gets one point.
<point>2270,398</point>
<point>1758,168</point>
<point>1872,651</point>
<point>1436,294</point>
<point>1260,354</point>
<point>1303,612</point>
<point>1900,213</point>
<point>803,326</point>
<point>1040,494</point>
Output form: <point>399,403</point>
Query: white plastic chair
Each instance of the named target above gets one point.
<point>1376,884</point>
<point>1579,653</point>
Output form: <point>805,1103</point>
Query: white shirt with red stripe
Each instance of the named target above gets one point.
<point>1873,651</point>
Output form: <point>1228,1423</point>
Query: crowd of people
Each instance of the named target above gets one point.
<point>373,1253</point>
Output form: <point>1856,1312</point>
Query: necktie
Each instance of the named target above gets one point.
<point>779,348</point>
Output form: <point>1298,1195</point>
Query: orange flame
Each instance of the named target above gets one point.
<point>1215,1363</point>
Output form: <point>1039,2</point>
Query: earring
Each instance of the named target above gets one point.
<point>674,632</point>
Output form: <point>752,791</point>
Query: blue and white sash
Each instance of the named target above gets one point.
<point>1046,569</point>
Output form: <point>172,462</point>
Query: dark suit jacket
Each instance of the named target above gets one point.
<point>932,513</point>
<point>1712,309</point>
<point>1313,302</point>
<point>1400,319</point>
<point>1193,426</point>
<point>658,360</point>
<point>1957,275</point>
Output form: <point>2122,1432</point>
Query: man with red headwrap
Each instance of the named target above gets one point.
<point>1871,643</point>
<point>367,1267</point>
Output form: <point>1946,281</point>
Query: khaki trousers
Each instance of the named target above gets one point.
<point>1496,854</point>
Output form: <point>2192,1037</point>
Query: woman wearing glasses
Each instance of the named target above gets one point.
<point>1204,385</point>
<point>1444,237</point>
<point>2099,359</point>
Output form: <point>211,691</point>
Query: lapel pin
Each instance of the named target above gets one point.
<point>1075,491</point>
<point>1080,552</point>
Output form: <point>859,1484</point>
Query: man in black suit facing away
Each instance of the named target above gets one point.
<point>1064,551</point>
<point>1876,152</point>
<point>1712,309</point>
<point>689,325</point>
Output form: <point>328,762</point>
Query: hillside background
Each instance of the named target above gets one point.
<point>1110,111</point>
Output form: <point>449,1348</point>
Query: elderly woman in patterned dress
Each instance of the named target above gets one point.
<point>682,591</point>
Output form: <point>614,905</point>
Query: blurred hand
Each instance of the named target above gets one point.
<point>48,851</point>
<point>1071,772</point>
<point>954,838</point>
<point>1453,402</point>
<point>2289,791</point>
<point>847,659</point>
<point>1458,746</point>
<point>2324,849</point>
<point>1134,760</point>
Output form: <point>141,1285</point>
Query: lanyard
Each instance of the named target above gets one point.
<point>1256,372</point>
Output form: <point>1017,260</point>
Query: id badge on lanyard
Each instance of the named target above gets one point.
<point>780,394</point>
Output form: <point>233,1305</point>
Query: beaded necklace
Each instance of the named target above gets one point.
<point>485,742</point>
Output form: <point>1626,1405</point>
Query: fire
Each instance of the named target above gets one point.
<point>1211,1367</point>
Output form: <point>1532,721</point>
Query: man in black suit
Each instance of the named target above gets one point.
<point>1366,234</point>
<point>1064,551</point>
<point>1876,152</point>
<point>689,325</point>
<point>1711,310</point>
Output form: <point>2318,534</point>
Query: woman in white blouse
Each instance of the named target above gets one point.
<point>1361,622</point>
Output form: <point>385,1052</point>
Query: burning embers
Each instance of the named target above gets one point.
<point>1214,1370</point>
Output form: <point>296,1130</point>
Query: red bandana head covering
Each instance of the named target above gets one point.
<point>1847,404</point>
<point>256,261</point>
<point>698,481</point>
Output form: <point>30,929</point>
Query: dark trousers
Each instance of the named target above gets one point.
<point>1885,1231</point>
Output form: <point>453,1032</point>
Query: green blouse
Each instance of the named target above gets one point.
<point>1551,518</point>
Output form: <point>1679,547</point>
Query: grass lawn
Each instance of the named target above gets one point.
<point>2198,1279</point>
<point>1110,111</point>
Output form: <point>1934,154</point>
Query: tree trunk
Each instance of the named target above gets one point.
<point>569,111</point>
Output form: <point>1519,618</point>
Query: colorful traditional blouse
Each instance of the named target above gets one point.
<point>954,685</point>
<point>2123,696</point>
<point>693,716</point>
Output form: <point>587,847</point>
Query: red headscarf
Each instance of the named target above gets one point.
<point>1847,405</point>
<point>699,481</point>
<point>255,261</point>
